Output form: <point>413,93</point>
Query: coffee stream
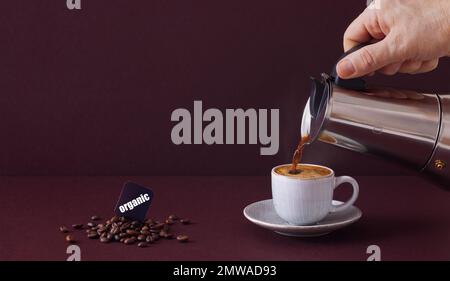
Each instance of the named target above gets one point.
<point>298,155</point>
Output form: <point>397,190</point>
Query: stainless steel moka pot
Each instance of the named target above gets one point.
<point>406,126</point>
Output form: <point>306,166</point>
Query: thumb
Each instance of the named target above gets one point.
<point>366,60</point>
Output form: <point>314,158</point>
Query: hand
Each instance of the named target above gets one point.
<point>410,36</point>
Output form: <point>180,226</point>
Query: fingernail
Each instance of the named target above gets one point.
<point>346,68</point>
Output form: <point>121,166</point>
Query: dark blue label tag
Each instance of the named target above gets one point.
<point>134,201</point>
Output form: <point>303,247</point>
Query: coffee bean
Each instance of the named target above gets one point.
<point>165,234</point>
<point>117,237</point>
<point>141,237</point>
<point>169,221</point>
<point>130,240</point>
<point>183,238</point>
<point>145,227</point>
<point>158,226</point>
<point>115,219</point>
<point>77,226</point>
<point>91,224</point>
<point>70,239</point>
<point>92,235</point>
<point>149,239</point>
<point>122,240</point>
<point>104,239</point>
<point>132,232</point>
<point>63,229</point>
<point>185,221</point>
<point>136,224</point>
<point>125,226</point>
<point>95,218</point>
<point>102,228</point>
<point>122,219</point>
<point>122,235</point>
<point>142,244</point>
<point>173,217</point>
<point>145,232</point>
<point>114,229</point>
<point>155,236</point>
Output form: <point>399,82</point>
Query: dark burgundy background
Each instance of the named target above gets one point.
<point>90,92</point>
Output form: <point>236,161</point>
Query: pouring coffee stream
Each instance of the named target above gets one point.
<point>298,155</point>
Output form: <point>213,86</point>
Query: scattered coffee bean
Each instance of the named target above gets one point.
<point>158,226</point>
<point>173,217</point>
<point>165,234</point>
<point>63,229</point>
<point>102,229</point>
<point>104,239</point>
<point>183,238</point>
<point>185,221</point>
<point>142,244</point>
<point>91,224</point>
<point>70,239</point>
<point>130,240</point>
<point>93,235</point>
<point>129,232</point>
<point>132,232</point>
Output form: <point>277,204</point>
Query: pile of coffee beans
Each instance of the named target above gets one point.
<point>128,232</point>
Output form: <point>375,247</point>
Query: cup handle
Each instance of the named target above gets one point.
<point>352,181</point>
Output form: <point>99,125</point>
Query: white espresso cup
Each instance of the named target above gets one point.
<point>305,201</point>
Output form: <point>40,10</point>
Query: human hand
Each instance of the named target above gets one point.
<point>410,36</point>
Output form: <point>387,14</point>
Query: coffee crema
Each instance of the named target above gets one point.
<point>304,171</point>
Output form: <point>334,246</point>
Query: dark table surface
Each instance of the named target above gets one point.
<point>406,217</point>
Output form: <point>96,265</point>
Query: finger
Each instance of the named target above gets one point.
<point>427,66</point>
<point>366,60</point>
<point>363,29</point>
<point>390,69</point>
<point>410,66</point>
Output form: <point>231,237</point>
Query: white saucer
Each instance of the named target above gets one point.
<point>262,213</point>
